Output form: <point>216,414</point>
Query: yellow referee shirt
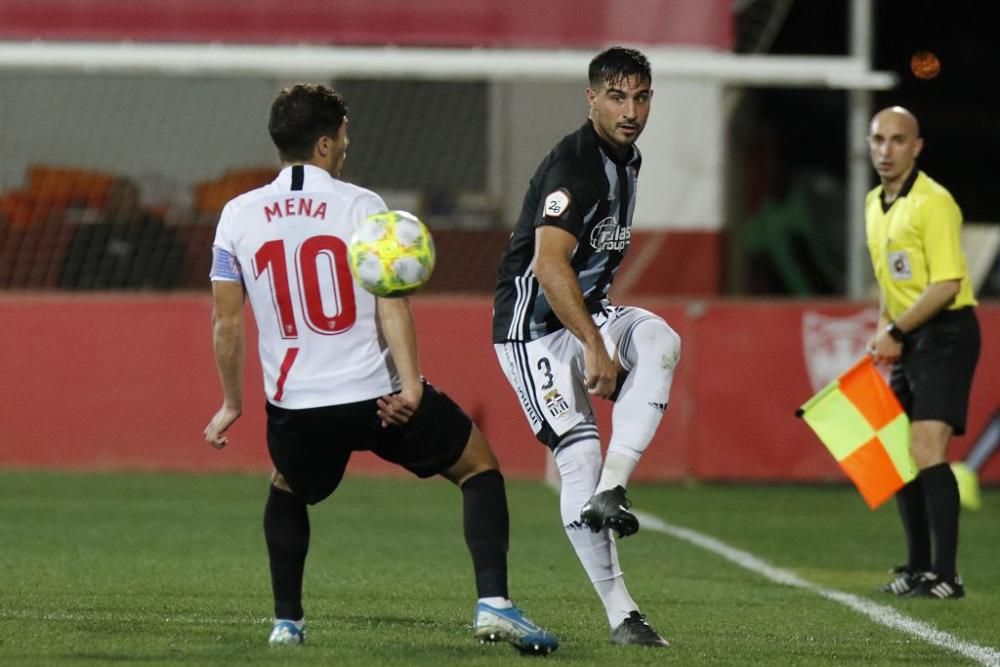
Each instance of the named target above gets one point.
<point>916,242</point>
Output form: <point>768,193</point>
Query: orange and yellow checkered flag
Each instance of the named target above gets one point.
<point>860,421</point>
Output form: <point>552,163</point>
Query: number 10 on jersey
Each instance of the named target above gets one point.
<point>322,272</point>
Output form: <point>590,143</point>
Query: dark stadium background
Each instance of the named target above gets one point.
<point>802,131</point>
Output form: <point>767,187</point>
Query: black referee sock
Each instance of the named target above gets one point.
<point>941,492</point>
<point>286,530</point>
<point>487,531</point>
<point>913,512</point>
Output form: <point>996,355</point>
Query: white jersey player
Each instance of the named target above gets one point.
<point>340,367</point>
<point>318,339</point>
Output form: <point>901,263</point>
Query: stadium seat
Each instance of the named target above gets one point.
<point>211,196</point>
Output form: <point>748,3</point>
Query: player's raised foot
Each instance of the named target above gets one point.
<point>287,633</point>
<point>609,509</point>
<point>904,581</point>
<point>635,631</point>
<point>931,585</point>
<point>511,625</point>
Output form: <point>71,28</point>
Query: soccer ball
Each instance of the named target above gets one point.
<point>391,254</point>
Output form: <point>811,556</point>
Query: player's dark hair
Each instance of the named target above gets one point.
<point>300,115</point>
<point>617,63</point>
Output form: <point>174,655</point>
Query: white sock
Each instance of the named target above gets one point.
<point>617,469</point>
<point>497,602</point>
<point>618,604</point>
<point>650,353</point>
<point>579,464</point>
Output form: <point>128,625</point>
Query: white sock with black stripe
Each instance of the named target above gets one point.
<point>579,462</point>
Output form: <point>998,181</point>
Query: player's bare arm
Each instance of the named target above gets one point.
<point>228,342</point>
<point>553,249</point>
<point>397,326</point>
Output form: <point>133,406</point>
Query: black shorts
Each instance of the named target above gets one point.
<point>933,377</point>
<point>311,447</point>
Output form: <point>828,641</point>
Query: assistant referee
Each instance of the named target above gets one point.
<point>929,333</point>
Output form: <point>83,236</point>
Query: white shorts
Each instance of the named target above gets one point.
<point>548,374</point>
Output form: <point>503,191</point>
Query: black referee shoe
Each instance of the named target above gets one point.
<point>931,585</point>
<point>903,583</point>
<point>635,631</point>
<point>609,509</point>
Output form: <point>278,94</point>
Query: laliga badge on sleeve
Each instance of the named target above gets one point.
<point>556,203</point>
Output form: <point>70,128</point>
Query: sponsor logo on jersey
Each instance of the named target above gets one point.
<point>556,203</point>
<point>832,344</point>
<point>607,235</point>
<point>555,404</point>
<point>659,407</point>
<point>899,265</point>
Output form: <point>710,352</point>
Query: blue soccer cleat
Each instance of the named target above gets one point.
<point>511,625</point>
<point>287,633</point>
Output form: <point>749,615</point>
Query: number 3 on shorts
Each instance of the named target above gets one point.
<point>546,367</point>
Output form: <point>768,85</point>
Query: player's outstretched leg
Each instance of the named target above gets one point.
<point>648,353</point>
<point>487,534</point>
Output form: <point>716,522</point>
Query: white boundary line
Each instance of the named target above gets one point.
<point>880,613</point>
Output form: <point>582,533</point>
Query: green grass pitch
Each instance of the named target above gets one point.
<point>171,569</point>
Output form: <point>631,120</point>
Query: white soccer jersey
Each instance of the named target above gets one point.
<point>287,242</point>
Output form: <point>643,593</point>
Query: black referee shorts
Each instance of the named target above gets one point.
<point>933,377</point>
<point>311,447</point>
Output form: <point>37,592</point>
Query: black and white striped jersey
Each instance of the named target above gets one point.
<point>580,187</point>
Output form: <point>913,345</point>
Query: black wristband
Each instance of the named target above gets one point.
<point>894,332</point>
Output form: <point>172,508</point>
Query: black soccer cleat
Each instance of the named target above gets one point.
<point>903,583</point>
<point>609,509</point>
<point>931,585</point>
<point>635,631</point>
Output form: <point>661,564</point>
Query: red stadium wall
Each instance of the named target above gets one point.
<point>121,382</point>
<point>493,23</point>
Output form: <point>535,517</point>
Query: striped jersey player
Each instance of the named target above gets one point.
<point>559,340</point>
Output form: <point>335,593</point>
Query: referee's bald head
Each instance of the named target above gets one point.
<point>904,117</point>
<point>894,144</point>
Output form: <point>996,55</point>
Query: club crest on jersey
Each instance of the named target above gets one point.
<point>899,265</point>
<point>555,403</point>
<point>556,203</point>
<point>607,235</point>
